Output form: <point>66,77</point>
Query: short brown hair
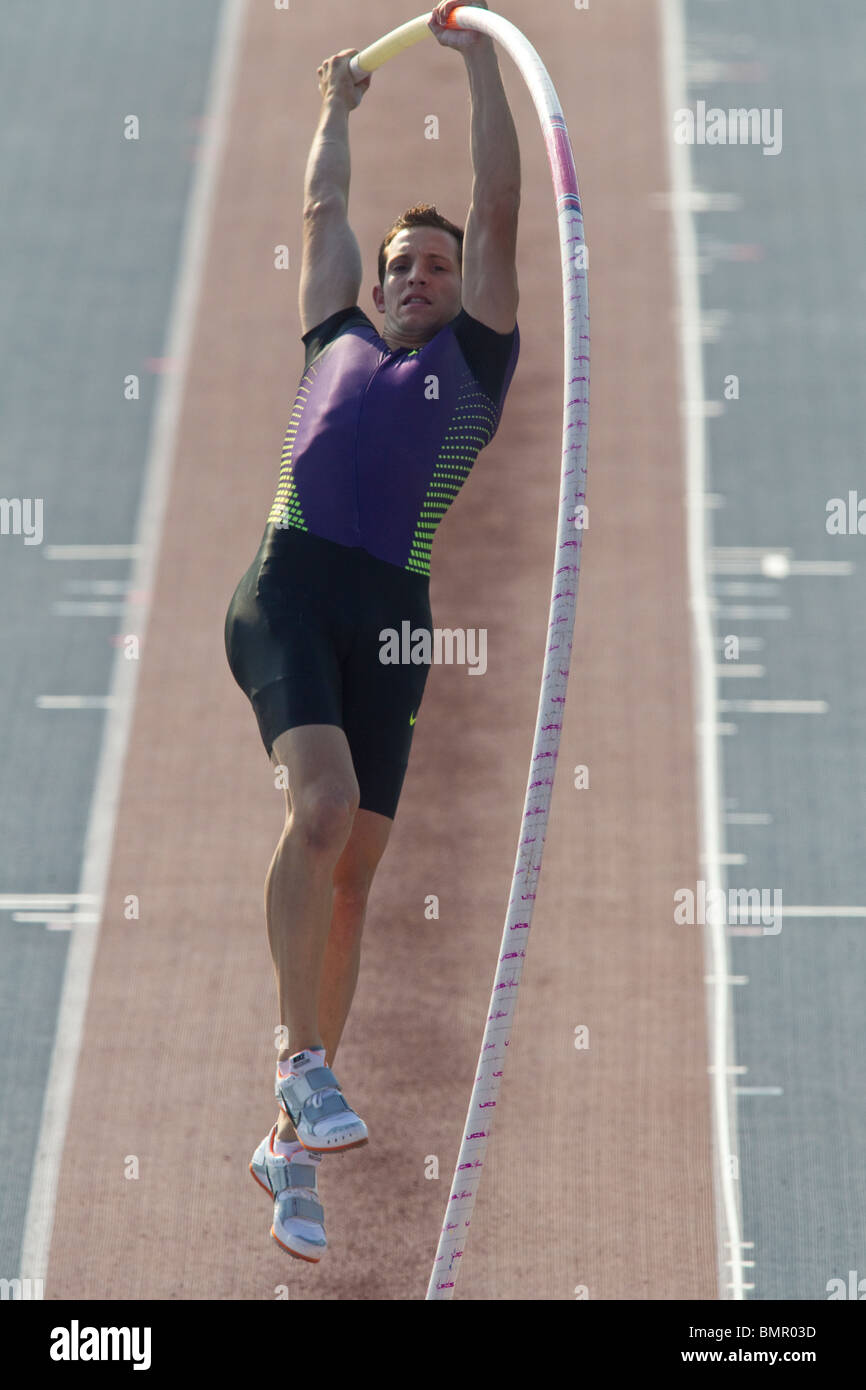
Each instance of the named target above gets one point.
<point>422,215</point>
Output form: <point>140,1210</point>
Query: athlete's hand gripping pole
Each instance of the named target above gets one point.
<point>482,1105</point>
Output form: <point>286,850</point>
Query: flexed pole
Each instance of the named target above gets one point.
<point>554,680</point>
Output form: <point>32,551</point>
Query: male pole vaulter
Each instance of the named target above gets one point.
<point>373,458</point>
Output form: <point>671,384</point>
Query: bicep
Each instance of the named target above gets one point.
<point>490,293</point>
<point>331,269</point>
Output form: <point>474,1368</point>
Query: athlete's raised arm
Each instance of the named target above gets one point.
<point>490,292</point>
<point>331,261</point>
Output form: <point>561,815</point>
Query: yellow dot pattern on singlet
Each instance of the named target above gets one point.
<point>472,427</point>
<point>286,509</point>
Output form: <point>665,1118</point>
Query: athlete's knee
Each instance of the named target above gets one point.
<point>322,816</point>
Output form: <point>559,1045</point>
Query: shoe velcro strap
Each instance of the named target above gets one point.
<point>294,1173</point>
<point>306,1208</point>
<point>296,1090</point>
<point>331,1105</point>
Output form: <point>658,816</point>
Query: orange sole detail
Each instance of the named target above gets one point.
<point>259,1181</point>
<point>310,1259</point>
<point>334,1148</point>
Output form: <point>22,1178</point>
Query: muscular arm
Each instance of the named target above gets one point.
<point>495,150</point>
<point>490,292</point>
<point>331,269</point>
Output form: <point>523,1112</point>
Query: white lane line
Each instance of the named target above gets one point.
<point>737,589</point>
<point>688,200</point>
<point>12,901</point>
<point>725,859</point>
<point>726,980</point>
<point>81,608</point>
<point>745,611</point>
<point>96,586</point>
<point>826,567</point>
<point>39,1220</point>
<point>759,1090</point>
<point>732,669</point>
<point>55,917</point>
<point>684,202</point>
<point>77,701</point>
<point>803,911</point>
<point>92,552</point>
<point>773,564</point>
<point>748,818</point>
<point>775,706</point>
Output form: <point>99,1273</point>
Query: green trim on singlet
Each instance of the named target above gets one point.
<point>472,427</point>
<point>286,509</point>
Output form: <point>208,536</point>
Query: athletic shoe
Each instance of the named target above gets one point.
<point>299,1219</point>
<point>312,1098</point>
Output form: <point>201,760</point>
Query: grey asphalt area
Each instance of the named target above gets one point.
<point>89,240</point>
<point>783,295</point>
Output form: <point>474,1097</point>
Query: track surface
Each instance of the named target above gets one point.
<point>599,1172</point>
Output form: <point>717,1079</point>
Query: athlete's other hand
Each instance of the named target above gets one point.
<point>457,38</point>
<point>336,82</point>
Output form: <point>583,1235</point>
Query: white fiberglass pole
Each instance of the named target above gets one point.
<point>554,680</point>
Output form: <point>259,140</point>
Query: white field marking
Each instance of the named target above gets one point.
<point>704,410</point>
<point>775,564</point>
<point>726,980</point>
<point>748,818</point>
<point>70,608</point>
<point>726,859</point>
<point>747,644</point>
<point>759,1090</point>
<point>39,1219</point>
<point>12,901</point>
<point>823,567</point>
<point>732,669</point>
<point>802,911</point>
<point>92,552</point>
<point>683,203</point>
<point>55,917</point>
<point>728,1071</point>
<point>715,730</point>
<point>775,706</point>
<point>736,588</point>
<point>76,701</point>
<point>96,586</point>
<point>689,200</point>
<point>746,611</point>
<point>746,931</point>
<point>712,325</point>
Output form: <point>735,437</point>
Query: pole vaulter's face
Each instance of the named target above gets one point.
<point>422,289</point>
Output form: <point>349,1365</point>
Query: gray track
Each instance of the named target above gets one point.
<point>795,337</point>
<point>89,241</point>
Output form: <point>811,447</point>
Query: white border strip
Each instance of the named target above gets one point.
<point>39,1220</point>
<point>722,1054</point>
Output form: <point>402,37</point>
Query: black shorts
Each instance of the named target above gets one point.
<point>303,640</point>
